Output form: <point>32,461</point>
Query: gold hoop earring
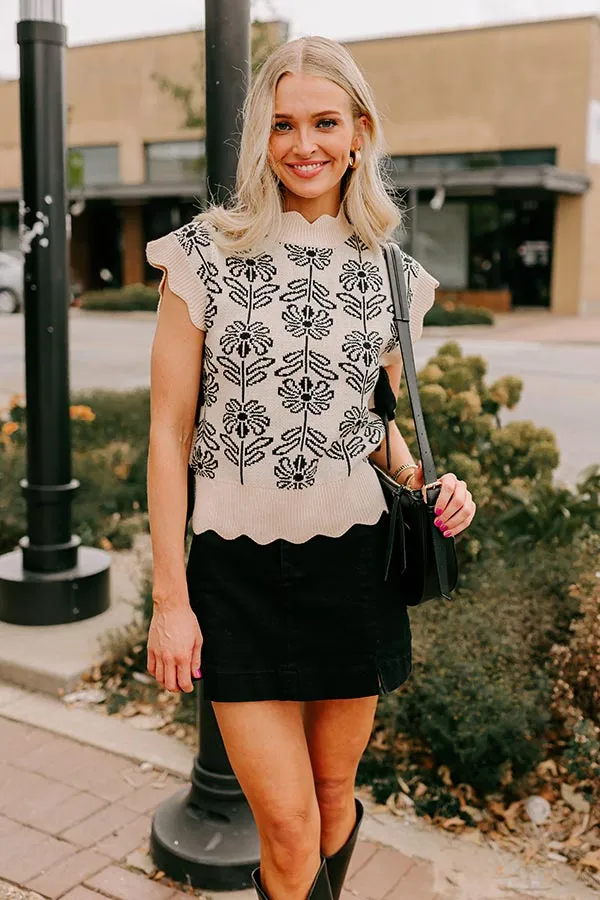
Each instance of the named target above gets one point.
<point>354,159</point>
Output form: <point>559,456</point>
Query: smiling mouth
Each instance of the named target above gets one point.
<point>307,169</point>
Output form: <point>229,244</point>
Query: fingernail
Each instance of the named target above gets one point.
<point>438,511</point>
<point>197,674</point>
<point>446,534</point>
<point>438,523</point>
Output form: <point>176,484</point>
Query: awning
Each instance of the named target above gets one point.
<point>546,177</point>
<point>187,191</point>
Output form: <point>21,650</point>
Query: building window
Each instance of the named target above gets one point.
<point>179,162</point>
<point>9,227</point>
<point>491,159</point>
<point>441,243</point>
<point>89,166</point>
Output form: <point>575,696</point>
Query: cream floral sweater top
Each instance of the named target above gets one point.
<point>295,335</point>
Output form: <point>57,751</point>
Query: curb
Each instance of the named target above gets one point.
<point>104,732</point>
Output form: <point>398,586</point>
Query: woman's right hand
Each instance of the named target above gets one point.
<point>174,645</point>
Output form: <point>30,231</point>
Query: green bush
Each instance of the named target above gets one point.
<point>442,314</point>
<point>478,699</point>
<point>110,449</point>
<point>509,468</point>
<point>130,298</point>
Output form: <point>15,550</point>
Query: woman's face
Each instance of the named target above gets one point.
<point>312,134</point>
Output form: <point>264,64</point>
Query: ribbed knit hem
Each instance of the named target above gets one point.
<point>167,254</point>
<point>265,514</point>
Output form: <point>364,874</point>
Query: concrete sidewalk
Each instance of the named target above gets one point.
<point>75,822</point>
<point>538,326</point>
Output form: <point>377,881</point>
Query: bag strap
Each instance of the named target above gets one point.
<point>393,260</point>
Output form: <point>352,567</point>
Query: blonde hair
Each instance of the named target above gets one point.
<point>256,208</point>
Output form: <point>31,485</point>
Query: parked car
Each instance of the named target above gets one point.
<point>11,283</point>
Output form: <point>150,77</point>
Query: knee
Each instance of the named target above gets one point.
<point>290,836</point>
<point>334,793</point>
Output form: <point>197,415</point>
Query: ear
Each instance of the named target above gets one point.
<point>362,123</point>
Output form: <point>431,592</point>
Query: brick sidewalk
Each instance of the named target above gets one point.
<point>70,815</point>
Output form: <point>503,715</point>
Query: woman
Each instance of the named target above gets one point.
<point>285,320</point>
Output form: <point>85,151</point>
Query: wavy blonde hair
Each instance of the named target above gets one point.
<point>256,208</point>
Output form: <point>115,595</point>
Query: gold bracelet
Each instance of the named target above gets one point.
<point>410,478</point>
<point>402,469</point>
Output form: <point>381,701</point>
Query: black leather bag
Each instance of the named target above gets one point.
<point>419,558</point>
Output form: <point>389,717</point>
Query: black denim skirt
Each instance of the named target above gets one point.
<point>310,621</point>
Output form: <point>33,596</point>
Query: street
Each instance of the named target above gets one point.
<point>561,381</point>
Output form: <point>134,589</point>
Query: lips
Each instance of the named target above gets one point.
<point>307,170</point>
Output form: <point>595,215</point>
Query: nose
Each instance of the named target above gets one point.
<point>304,144</point>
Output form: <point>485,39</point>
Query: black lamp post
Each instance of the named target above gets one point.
<point>205,835</point>
<point>50,579</point>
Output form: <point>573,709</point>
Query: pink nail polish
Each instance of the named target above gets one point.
<point>438,511</point>
<point>437,523</point>
<point>197,674</point>
<point>446,534</point>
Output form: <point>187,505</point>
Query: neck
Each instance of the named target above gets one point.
<point>313,207</point>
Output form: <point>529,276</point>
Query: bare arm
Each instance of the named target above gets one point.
<point>174,381</point>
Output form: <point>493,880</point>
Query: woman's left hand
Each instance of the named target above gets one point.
<point>454,507</point>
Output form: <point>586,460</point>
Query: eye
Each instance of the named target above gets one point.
<point>328,123</point>
<point>281,126</point>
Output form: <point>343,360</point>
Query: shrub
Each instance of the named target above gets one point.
<point>509,468</point>
<point>440,314</point>
<point>477,701</point>
<point>110,449</point>
<point>130,298</point>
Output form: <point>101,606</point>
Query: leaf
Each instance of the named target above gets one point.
<point>239,292</point>
<point>254,451</point>
<point>299,290</point>
<point>291,439</point>
<point>371,380</point>
<point>231,369</point>
<point>355,376</point>
<point>335,451</point>
<point>315,441</point>
<point>319,364</point>
<point>374,306</point>
<point>352,305</point>
<point>256,371</point>
<point>320,294</point>
<point>591,859</point>
<point>263,295</point>
<point>293,363</point>
<point>355,446</point>
<point>232,450</point>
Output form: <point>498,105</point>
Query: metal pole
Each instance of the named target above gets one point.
<point>50,579</point>
<point>205,835</point>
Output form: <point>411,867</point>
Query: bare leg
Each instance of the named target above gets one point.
<point>337,733</point>
<point>267,749</point>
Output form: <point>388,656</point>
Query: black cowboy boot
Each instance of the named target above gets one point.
<point>337,864</point>
<point>320,889</point>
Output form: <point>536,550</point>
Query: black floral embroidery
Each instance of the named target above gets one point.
<point>245,418</point>
<point>193,236</point>
<point>307,322</point>
<point>296,474</point>
<point>194,239</point>
<point>364,347</point>
<point>362,275</point>
<point>411,269</point>
<point>243,338</point>
<point>306,396</point>
<point>252,268</point>
<point>203,463</point>
<point>316,257</point>
<point>310,394</point>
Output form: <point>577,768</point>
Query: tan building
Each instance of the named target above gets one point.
<point>494,135</point>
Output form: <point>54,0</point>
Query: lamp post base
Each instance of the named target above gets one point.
<point>54,598</point>
<point>208,843</point>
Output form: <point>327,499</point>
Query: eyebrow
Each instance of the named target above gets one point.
<point>326,112</point>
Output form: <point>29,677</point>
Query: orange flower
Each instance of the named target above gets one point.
<point>82,412</point>
<point>9,428</point>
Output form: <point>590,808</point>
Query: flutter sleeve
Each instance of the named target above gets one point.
<point>421,287</point>
<point>180,255</point>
